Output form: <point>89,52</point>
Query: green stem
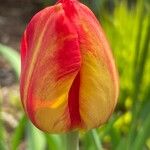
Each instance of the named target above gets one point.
<point>73,140</point>
<point>96,139</point>
<point>12,57</point>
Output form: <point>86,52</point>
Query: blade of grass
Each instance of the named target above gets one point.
<point>138,82</point>
<point>54,142</point>
<point>35,138</point>
<point>146,104</point>
<point>2,142</point>
<point>121,144</point>
<point>140,9</point>
<point>12,57</point>
<point>144,112</point>
<point>18,133</point>
<point>143,131</point>
<point>87,143</point>
<point>142,135</point>
<point>96,139</point>
<point>109,126</point>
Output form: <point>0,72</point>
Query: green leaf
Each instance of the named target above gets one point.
<point>2,131</point>
<point>88,143</point>
<point>140,18</point>
<point>96,139</point>
<point>142,135</point>
<point>2,145</point>
<point>35,138</point>
<point>18,133</point>
<point>2,142</point>
<point>121,145</point>
<point>54,142</point>
<point>12,57</point>
<point>138,82</point>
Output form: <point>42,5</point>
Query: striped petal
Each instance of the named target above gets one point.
<point>98,75</point>
<point>50,61</point>
<point>68,77</point>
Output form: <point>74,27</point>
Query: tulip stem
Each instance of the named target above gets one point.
<point>73,140</point>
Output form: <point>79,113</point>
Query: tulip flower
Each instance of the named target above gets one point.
<point>68,75</point>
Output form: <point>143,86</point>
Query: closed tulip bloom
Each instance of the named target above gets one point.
<point>68,76</point>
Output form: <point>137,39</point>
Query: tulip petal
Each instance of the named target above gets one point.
<point>68,78</point>
<point>98,76</point>
<point>50,67</point>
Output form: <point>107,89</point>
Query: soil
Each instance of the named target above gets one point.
<point>14,16</point>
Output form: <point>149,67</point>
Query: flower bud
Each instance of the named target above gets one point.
<point>68,76</point>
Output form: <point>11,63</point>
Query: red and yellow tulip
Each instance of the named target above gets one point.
<point>68,76</point>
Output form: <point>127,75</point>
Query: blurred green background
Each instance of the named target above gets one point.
<point>127,26</point>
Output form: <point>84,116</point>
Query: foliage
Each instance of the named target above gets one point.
<point>128,31</point>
